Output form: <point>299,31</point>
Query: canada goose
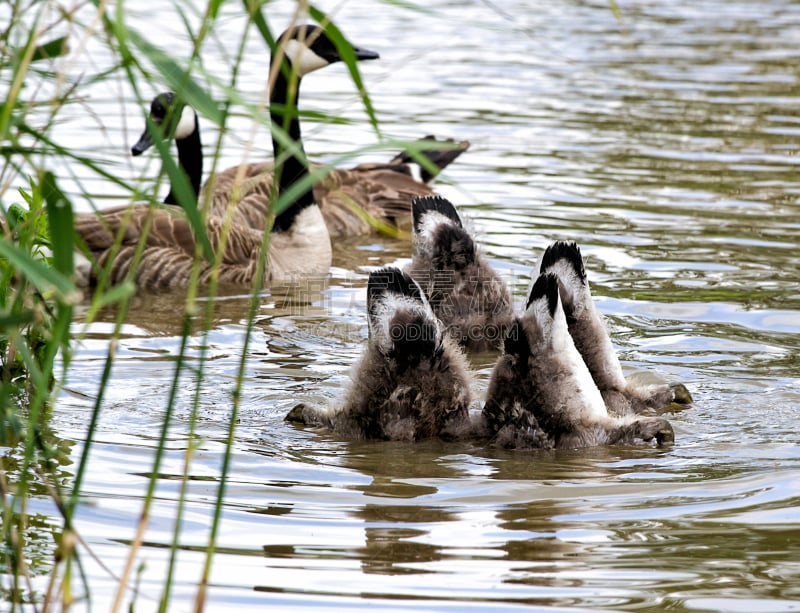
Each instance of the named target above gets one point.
<point>367,185</point>
<point>164,112</point>
<point>382,190</point>
<point>412,380</point>
<point>465,292</point>
<point>541,393</point>
<point>299,244</point>
<point>586,324</point>
<point>351,199</point>
<point>96,231</point>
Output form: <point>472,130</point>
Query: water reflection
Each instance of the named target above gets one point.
<point>664,143</point>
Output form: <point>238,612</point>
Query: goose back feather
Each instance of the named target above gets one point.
<point>352,199</point>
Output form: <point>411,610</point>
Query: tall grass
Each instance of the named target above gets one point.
<point>37,291</point>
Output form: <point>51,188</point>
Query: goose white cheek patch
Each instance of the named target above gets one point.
<point>416,171</point>
<point>187,124</point>
<point>303,59</point>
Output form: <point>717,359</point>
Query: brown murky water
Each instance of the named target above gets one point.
<point>666,144</point>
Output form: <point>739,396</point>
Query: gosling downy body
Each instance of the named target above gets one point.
<point>588,330</point>
<point>466,294</point>
<point>411,382</point>
<point>541,394</point>
<point>299,244</point>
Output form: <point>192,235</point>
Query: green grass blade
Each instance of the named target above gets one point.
<point>349,57</point>
<point>44,278</point>
<point>51,49</point>
<point>61,224</point>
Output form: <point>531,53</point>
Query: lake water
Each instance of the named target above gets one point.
<point>665,142</point>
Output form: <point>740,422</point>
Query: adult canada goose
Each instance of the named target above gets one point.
<point>586,324</point>
<point>98,231</point>
<point>367,186</point>
<point>541,393</point>
<point>164,112</point>
<point>411,382</point>
<point>299,244</point>
<point>465,292</point>
<point>354,201</point>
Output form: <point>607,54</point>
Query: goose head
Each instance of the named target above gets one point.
<point>308,48</point>
<point>174,119</point>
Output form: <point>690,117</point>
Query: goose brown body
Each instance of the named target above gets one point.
<point>299,243</point>
<point>354,201</point>
<point>169,256</point>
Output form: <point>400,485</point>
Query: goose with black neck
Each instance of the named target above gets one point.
<point>299,243</point>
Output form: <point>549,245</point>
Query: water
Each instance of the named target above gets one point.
<point>665,143</point>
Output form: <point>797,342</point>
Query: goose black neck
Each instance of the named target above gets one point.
<point>289,169</point>
<point>190,158</point>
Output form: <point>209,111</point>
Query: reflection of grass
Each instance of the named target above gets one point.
<point>37,293</point>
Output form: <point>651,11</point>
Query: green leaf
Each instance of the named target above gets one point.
<point>615,9</point>
<point>61,221</point>
<point>44,278</point>
<point>348,57</point>
<point>54,48</point>
<point>118,293</point>
<point>16,320</point>
<point>261,24</point>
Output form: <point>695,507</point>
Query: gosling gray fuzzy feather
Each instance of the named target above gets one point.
<point>412,381</point>
<point>466,293</point>
<point>541,394</point>
<point>589,332</point>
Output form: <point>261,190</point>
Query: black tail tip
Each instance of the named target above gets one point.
<point>413,334</point>
<point>546,286</point>
<point>425,204</point>
<point>439,152</point>
<point>563,250</point>
<point>515,342</point>
<point>391,280</point>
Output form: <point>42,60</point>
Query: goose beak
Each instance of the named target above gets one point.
<point>365,54</point>
<point>143,144</point>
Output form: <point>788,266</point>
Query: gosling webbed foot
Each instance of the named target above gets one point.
<point>680,395</point>
<point>646,430</point>
<point>665,435</point>
<point>298,414</point>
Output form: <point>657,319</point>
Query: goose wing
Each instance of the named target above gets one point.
<point>113,235</point>
<point>351,199</point>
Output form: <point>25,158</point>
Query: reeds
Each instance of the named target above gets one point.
<point>37,291</point>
